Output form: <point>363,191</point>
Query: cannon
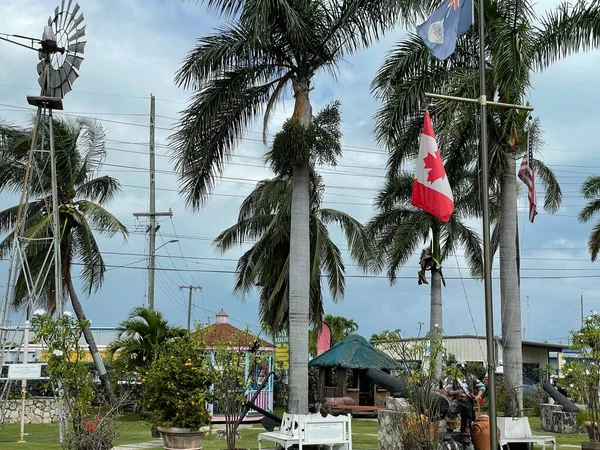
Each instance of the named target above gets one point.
<point>432,404</point>
<point>568,405</point>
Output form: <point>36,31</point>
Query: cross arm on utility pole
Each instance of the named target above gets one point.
<point>152,229</point>
<point>191,289</point>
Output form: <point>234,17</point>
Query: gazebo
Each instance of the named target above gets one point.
<point>344,371</point>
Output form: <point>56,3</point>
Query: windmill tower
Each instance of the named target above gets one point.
<point>60,55</point>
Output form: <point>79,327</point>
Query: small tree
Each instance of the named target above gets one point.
<point>417,358</point>
<point>237,363</point>
<point>70,375</point>
<point>583,372</point>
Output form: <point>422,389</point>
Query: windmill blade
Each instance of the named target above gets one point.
<point>78,47</point>
<point>73,14</point>
<point>79,34</point>
<point>73,75</point>
<point>77,22</point>
<point>74,61</point>
<point>56,15</point>
<point>66,15</point>
<point>65,88</point>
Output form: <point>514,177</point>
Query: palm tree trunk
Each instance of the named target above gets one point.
<point>435,322</point>
<point>89,338</point>
<point>299,266</point>
<point>435,309</point>
<point>510,292</point>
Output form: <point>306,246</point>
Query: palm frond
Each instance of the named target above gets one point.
<point>101,219</point>
<point>209,127</point>
<point>359,242</point>
<point>553,196</point>
<point>100,190</point>
<point>568,29</point>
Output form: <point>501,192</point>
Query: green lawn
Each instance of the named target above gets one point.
<point>364,436</point>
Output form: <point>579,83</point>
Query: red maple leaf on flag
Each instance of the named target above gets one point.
<point>435,166</point>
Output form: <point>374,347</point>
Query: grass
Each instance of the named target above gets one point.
<point>364,436</point>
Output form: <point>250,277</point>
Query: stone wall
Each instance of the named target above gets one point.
<point>553,419</point>
<point>37,410</point>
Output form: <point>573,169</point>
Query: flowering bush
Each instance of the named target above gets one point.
<point>176,387</point>
<point>70,373</point>
<point>583,372</point>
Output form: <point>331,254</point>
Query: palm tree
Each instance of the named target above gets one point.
<point>400,228</point>
<point>265,217</point>
<point>244,70</point>
<point>141,337</point>
<point>80,152</point>
<point>517,43</point>
<point>590,190</point>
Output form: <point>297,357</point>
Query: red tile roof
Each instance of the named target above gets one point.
<point>224,333</point>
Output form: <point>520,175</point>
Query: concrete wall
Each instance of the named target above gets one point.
<point>37,410</point>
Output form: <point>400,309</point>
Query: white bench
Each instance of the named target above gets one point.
<point>311,429</point>
<point>517,430</point>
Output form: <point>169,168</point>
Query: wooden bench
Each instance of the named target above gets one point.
<point>311,429</point>
<point>514,430</point>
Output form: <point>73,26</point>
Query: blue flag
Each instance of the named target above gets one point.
<point>451,20</point>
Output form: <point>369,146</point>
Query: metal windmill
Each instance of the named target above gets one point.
<point>60,55</point>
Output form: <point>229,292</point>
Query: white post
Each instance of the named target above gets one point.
<point>24,381</point>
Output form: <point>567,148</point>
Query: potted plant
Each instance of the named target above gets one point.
<point>583,376</point>
<point>176,389</point>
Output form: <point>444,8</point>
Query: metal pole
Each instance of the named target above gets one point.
<point>487,254</point>
<point>152,240</point>
<point>581,301</point>
<point>189,318</point>
<point>55,222</point>
<point>24,382</point>
<point>189,311</point>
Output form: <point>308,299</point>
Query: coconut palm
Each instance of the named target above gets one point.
<point>400,228</point>
<point>590,190</point>
<point>518,42</point>
<point>265,217</point>
<point>80,152</point>
<point>141,337</point>
<point>245,69</point>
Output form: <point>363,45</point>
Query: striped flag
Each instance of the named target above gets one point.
<point>527,176</point>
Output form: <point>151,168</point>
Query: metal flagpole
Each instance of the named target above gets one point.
<point>487,253</point>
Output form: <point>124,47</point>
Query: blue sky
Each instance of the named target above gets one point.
<point>135,48</point>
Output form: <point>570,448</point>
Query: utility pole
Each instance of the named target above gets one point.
<point>152,214</point>
<point>189,315</point>
<point>152,236</point>
<point>581,301</point>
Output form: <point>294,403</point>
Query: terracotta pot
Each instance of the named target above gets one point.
<point>480,433</point>
<point>182,438</point>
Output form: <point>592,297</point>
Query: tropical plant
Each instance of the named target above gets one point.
<point>86,428</point>
<point>400,228</point>
<point>590,190</point>
<point>518,42</point>
<point>339,326</point>
<point>177,385</point>
<point>583,372</point>
<point>141,338</point>
<point>80,152</point>
<point>265,217</point>
<point>245,69</point>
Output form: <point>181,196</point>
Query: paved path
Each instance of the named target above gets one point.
<point>151,444</point>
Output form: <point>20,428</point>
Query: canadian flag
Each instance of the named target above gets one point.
<point>431,189</point>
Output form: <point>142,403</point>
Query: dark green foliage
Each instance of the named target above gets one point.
<point>265,219</point>
<point>297,145</point>
<point>177,385</point>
